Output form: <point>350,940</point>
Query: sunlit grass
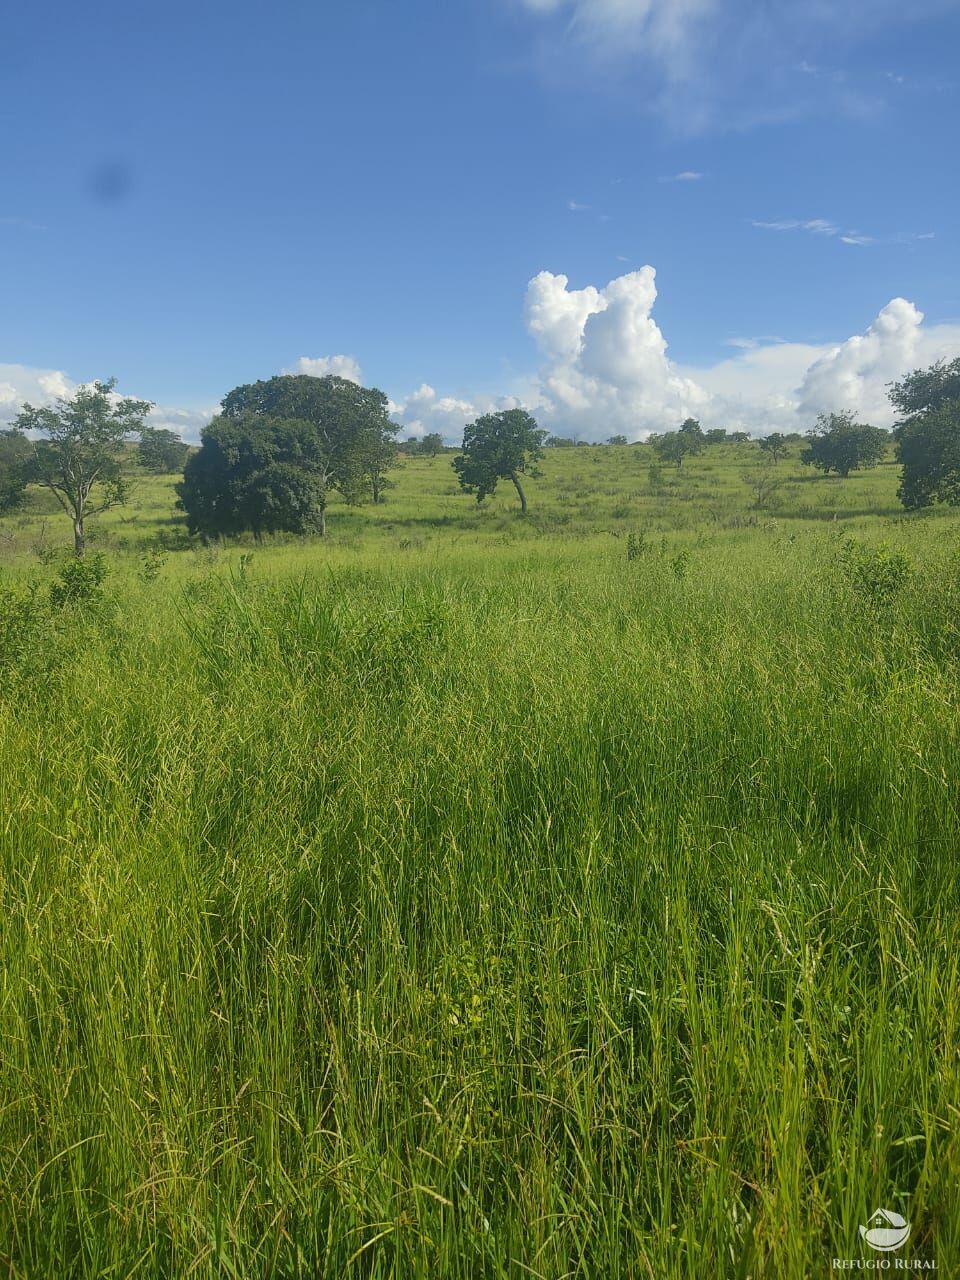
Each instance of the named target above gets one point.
<point>467,899</point>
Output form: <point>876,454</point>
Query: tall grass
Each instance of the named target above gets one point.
<point>528,913</point>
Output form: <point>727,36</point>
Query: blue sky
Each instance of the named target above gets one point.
<point>197,195</point>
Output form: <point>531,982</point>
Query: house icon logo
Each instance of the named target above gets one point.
<point>886,1231</point>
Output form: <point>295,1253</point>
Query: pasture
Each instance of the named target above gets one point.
<point>468,895</point>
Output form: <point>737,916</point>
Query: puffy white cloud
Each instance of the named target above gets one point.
<point>607,367</point>
<point>20,383</point>
<point>320,366</point>
<point>853,374</point>
<point>424,411</point>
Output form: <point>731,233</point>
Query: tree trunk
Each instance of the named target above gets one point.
<point>79,541</point>
<point>322,522</point>
<point>520,493</point>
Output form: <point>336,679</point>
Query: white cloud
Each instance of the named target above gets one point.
<point>320,366</point>
<point>686,175</point>
<point>818,226</point>
<point>424,411</point>
<point>607,367</point>
<point>20,383</point>
<point>703,65</point>
<point>824,227</point>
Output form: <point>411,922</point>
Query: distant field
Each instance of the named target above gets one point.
<point>469,895</point>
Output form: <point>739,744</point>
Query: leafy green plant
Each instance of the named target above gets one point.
<point>79,581</point>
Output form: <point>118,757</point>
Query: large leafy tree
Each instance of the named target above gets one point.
<point>161,451</point>
<point>499,446</point>
<point>16,458</point>
<point>842,444</point>
<point>277,450</point>
<point>80,455</point>
<point>928,434</point>
<point>253,473</point>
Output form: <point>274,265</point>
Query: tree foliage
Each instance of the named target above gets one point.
<point>270,460</point>
<point>80,456</point>
<point>674,446</point>
<point>928,435</point>
<point>499,446</point>
<point>16,459</point>
<point>842,444</point>
<point>775,444</point>
<point>161,451</point>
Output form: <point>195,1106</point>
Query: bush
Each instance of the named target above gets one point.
<point>877,575</point>
<point>79,581</point>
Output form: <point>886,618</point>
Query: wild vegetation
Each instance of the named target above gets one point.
<point>476,894</point>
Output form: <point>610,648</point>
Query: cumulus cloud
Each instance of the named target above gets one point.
<point>607,368</point>
<point>320,366</point>
<point>22,383</point>
<point>686,175</point>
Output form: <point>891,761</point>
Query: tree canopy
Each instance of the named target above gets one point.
<point>16,462</point>
<point>674,446</point>
<point>775,444</point>
<point>498,446</point>
<point>928,435</point>
<point>842,444</point>
<point>161,451</point>
<point>80,456</point>
<point>271,458</point>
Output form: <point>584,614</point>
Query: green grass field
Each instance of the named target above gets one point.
<point>469,895</point>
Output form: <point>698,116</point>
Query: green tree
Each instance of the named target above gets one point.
<point>559,442</point>
<point>341,442</point>
<point>432,444</point>
<point>716,435</point>
<point>499,446</point>
<point>617,440</point>
<point>842,444</point>
<point>775,445</point>
<point>80,456</point>
<point>16,459</point>
<point>928,435</point>
<point>674,446</point>
<point>161,451</point>
<point>257,473</point>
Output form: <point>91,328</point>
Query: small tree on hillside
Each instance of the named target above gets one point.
<point>842,444</point>
<point>716,435</point>
<point>80,457</point>
<point>928,435</point>
<point>432,444</point>
<point>617,439</point>
<point>161,451</point>
<point>775,445</point>
<point>499,446</point>
<point>674,446</point>
<point>16,459</point>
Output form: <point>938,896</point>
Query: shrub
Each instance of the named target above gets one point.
<point>80,581</point>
